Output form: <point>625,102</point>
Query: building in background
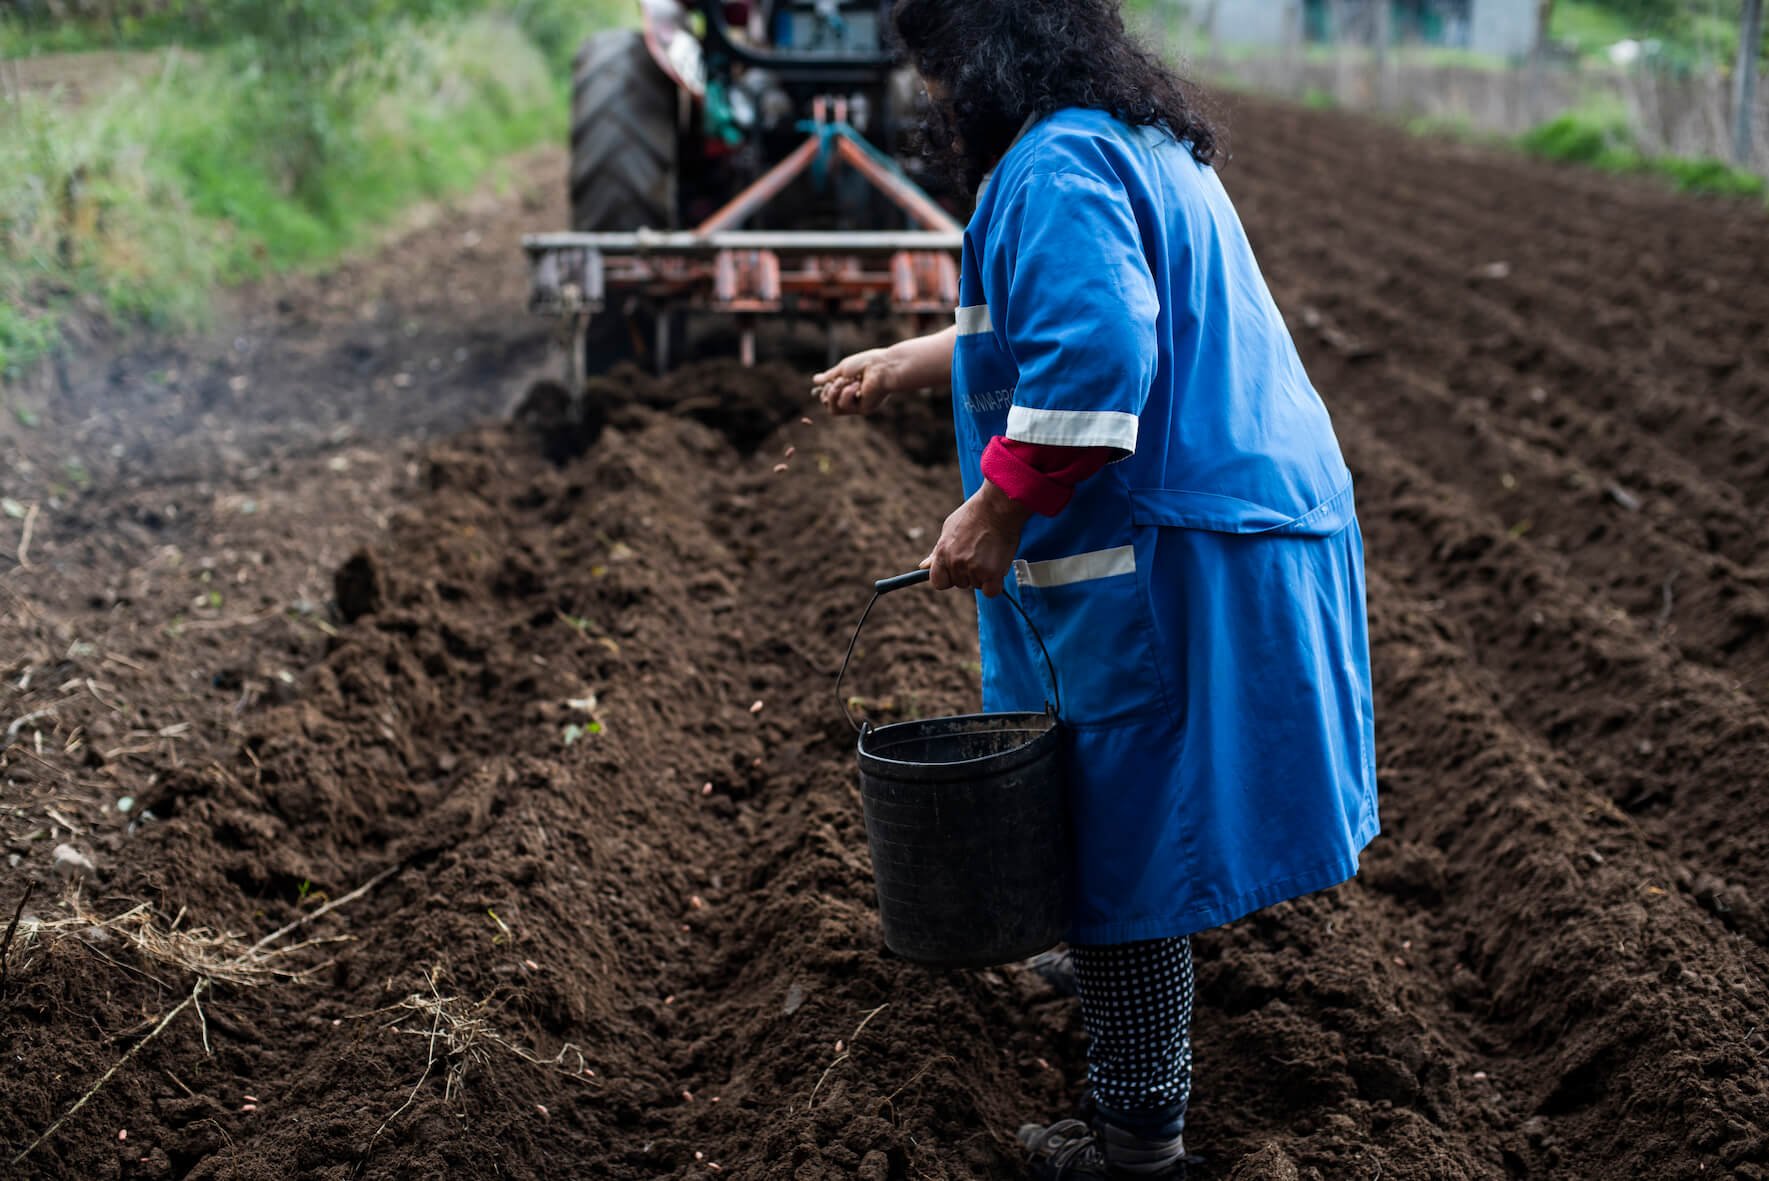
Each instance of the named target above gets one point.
<point>1502,28</point>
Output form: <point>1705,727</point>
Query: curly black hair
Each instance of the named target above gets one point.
<point>992,64</point>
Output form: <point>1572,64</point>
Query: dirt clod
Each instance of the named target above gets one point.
<point>356,587</point>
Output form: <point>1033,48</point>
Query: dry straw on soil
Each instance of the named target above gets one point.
<point>461,1037</point>
<point>207,954</point>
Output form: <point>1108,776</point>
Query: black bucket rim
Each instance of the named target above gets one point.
<point>1047,723</point>
<point>982,962</point>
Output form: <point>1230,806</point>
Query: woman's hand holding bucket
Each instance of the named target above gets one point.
<point>978,543</point>
<point>979,540</point>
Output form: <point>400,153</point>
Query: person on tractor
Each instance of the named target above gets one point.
<point>1148,465</point>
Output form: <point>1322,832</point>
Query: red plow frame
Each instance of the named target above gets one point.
<point>717,268</point>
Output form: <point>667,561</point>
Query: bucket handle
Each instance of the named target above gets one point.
<point>885,586</point>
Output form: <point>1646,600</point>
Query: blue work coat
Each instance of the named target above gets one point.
<point>1203,597</point>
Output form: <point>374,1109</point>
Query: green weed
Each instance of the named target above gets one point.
<point>575,731</point>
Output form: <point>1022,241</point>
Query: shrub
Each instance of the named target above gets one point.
<point>1602,138</point>
<point>1711,176</point>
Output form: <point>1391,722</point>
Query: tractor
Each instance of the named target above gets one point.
<point>741,160</point>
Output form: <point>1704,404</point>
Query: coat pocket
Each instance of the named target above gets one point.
<point>1092,610</point>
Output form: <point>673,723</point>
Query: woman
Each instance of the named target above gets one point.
<point>1148,466</point>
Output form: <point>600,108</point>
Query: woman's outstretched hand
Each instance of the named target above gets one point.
<point>860,384</point>
<point>865,381</point>
<point>978,543</point>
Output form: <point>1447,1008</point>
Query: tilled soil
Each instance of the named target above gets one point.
<point>582,718</point>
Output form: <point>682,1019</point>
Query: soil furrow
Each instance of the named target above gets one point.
<point>1710,610</point>
<point>1680,749</point>
<point>1465,240</point>
<point>1704,513</point>
<point>1633,234</point>
<point>1585,951</point>
<point>1490,325</point>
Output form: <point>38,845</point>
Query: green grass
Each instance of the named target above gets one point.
<point>1448,56</point>
<point>1450,127</point>
<point>1699,36</point>
<point>20,40</point>
<point>1589,27</point>
<point>90,221</point>
<point>1601,138</point>
<point>556,26</point>
<point>135,207</point>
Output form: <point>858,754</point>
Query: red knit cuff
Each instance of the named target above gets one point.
<point>1067,465</point>
<point>1022,482</point>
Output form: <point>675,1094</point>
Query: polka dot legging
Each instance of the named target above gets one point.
<point>1136,1002</point>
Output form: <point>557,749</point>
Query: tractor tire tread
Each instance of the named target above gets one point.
<point>623,136</point>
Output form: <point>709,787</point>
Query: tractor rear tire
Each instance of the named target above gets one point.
<point>623,136</point>
<point>623,173</point>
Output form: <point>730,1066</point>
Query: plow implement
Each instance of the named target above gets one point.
<point>716,268</point>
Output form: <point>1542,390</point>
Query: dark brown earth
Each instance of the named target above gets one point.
<point>321,627</point>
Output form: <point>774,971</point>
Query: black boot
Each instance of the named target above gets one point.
<point>1056,969</point>
<point>1074,1150</point>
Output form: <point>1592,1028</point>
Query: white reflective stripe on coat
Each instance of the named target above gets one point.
<point>1072,428</point>
<point>1105,563</point>
<point>974,320</point>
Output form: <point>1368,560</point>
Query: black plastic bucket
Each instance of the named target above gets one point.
<point>968,823</point>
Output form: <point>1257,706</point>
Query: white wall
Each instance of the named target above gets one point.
<point>1253,22</point>
<point>1506,28</point>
